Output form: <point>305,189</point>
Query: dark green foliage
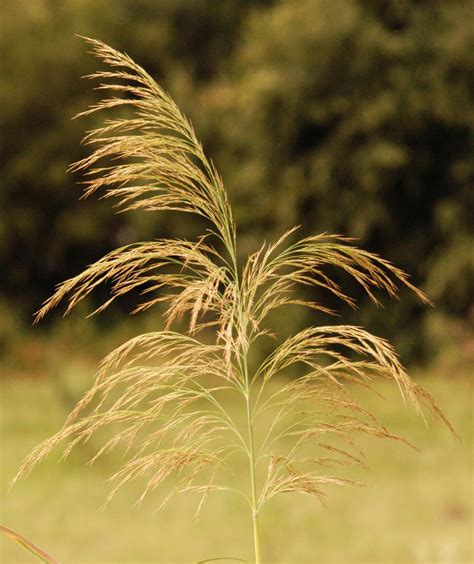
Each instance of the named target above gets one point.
<point>362,128</point>
<point>352,117</point>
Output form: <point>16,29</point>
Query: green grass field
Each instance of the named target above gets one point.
<point>418,507</point>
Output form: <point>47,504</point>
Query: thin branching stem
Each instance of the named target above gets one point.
<point>252,463</point>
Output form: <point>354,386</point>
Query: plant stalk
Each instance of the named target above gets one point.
<point>256,538</point>
<point>253,481</point>
<point>252,462</point>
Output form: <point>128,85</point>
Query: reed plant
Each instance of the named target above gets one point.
<point>165,396</point>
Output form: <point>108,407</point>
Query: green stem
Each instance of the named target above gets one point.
<point>242,359</point>
<point>256,539</point>
<point>253,482</point>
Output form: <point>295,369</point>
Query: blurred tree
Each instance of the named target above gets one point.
<point>46,234</point>
<point>359,114</point>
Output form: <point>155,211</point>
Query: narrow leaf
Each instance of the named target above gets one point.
<point>28,545</point>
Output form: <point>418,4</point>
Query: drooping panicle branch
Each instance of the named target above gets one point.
<point>155,160</point>
<point>187,269</point>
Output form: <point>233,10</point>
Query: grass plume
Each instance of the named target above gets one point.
<point>162,396</point>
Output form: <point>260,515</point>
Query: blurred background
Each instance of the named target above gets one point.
<point>345,116</point>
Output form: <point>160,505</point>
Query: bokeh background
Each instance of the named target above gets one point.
<point>344,116</point>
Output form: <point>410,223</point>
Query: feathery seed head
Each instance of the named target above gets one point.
<point>166,396</point>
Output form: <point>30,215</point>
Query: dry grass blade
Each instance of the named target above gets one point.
<point>28,546</point>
